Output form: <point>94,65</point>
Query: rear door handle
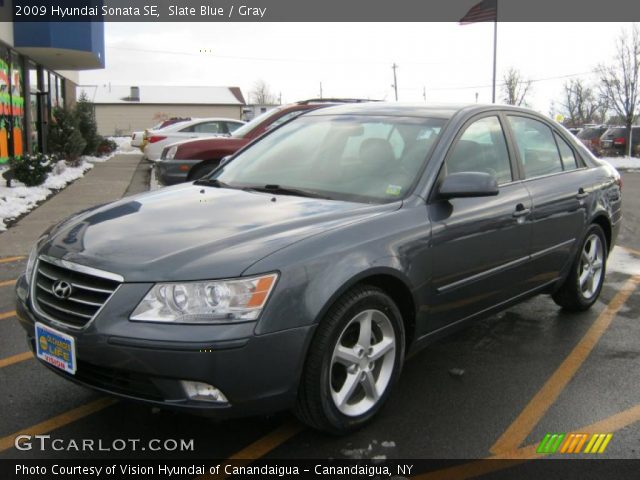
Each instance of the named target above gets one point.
<point>581,193</point>
<point>521,211</point>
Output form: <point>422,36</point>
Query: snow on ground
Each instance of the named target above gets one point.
<point>18,199</point>
<point>623,163</point>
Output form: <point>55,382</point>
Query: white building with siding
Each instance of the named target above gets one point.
<point>121,110</point>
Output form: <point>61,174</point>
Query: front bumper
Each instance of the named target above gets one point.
<point>257,373</point>
<point>170,172</point>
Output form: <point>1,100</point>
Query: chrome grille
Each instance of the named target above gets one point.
<point>90,289</point>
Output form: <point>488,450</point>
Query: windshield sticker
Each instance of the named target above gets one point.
<point>393,190</point>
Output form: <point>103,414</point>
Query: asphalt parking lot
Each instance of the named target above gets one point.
<point>492,390</point>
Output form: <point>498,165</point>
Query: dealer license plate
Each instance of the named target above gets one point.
<point>56,348</point>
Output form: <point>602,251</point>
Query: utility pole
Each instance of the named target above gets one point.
<point>424,94</point>
<point>320,89</point>
<point>280,98</point>
<point>395,80</point>
<point>476,97</point>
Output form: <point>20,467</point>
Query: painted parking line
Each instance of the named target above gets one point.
<point>5,315</point>
<point>631,250</point>
<point>10,259</point>
<point>510,459</point>
<point>7,283</point>
<point>522,426</point>
<point>58,421</point>
<point>260,447</point>
<point>20,357</point>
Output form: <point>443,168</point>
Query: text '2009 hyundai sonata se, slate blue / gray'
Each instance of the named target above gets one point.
<point>302,272</point>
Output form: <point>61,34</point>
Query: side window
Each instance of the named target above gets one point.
<point>231,126</point>
<point>209,127</point>
<point>189,129</point>
<point>566,153</point>
<point>482,148</point>
<point>538,150</point>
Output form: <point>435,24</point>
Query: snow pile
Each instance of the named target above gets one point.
<point>19,199</point>
<point>124,145</point>
<point>623,163</point>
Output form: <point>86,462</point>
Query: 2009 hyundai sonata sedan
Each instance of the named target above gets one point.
<point>302,272</point>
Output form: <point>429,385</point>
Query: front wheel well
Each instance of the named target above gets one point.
<point>401,295</point>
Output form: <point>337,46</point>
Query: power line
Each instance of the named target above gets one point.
<point>265,59</point>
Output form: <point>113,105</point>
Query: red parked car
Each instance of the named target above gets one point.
<point>192,159</point>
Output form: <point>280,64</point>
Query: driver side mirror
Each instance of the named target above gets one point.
<point>468,184</point>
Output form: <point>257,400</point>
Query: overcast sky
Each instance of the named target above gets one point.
<point>452,62</point>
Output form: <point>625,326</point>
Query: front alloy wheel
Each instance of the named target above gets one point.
<point>362,362</point>
<point>354,359</point>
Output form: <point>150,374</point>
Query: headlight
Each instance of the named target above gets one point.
<point>214,301</point>
<point>171,153</point>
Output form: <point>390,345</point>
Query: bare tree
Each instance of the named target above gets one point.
<point>515,88</point>
<point>620,81</point>
<point>261,94</point>
<point>580,103</point>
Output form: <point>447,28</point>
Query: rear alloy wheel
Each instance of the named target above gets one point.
<point>583,285</point>
<point>354,359</point>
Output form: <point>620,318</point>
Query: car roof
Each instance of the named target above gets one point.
<point>444,111</point>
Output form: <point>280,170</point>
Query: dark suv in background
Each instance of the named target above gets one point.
<point>192,159</point>
<point>614,141</point>
<point>590,136</point>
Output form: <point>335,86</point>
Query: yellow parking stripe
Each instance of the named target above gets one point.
<point>260,447</point>
<point>522,426</point>
<point>10,314</point>
<point>10,259</point>
<point>7,283</point>
<point>58,421</point>
<point>20,357</point>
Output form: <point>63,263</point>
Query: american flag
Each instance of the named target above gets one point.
<point>485,11</point>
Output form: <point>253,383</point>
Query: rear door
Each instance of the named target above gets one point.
<point>480,245</point>
<point>559,185</point>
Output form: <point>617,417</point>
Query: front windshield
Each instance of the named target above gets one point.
<point>247,127</point>
<point>346,157</point>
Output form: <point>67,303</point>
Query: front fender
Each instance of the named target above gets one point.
<point>316,271</point>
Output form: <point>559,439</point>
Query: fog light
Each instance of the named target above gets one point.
<point>203,392</point>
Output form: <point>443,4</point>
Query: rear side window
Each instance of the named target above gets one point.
<point>566,153</point>
<point>210,127</point>
<point>537,147</point>
<point>482,148</point>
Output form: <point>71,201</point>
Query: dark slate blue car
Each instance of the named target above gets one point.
<point>302,272</point>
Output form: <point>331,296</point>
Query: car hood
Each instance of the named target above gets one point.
<point>191,232</point>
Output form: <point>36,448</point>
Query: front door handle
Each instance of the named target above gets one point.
<point>581,193</point>
<point>521,211</point>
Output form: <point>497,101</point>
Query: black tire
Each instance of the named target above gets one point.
<point>315,405</point>
<point>201,170</point>
<point>570,295</point>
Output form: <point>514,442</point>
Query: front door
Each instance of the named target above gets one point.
<point>480,245</point>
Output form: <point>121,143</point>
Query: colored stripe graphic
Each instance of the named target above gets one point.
<point>573,443</point>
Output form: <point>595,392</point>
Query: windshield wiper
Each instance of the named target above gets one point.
<point>280,190</point>
<point>212,182</point>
